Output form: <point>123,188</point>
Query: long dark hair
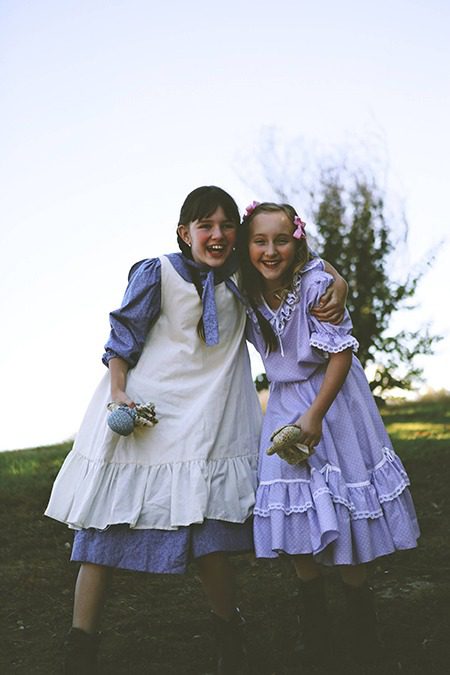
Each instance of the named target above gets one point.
<point>252,280</point>
<point>202,203</point>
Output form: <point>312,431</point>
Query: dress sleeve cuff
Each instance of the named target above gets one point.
<point>108,355</point>
<point>332,344</point>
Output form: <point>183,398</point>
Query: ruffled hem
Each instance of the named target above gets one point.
<point>98,494</point>
<point>305,515</point>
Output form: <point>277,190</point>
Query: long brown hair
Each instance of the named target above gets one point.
<point>252,280</point>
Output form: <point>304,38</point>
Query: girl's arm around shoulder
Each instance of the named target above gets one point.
<point>140,308</point>
<point>335,374</point>
<point>331,306</point>
<point>324,335</point>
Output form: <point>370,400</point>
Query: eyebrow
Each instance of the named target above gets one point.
<point>261,234</point>
<point>209,219</point>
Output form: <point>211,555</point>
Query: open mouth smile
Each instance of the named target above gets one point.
<point>270,263</point>
<point>216,248</point>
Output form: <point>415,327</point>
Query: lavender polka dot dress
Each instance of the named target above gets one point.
<point>350,503</point>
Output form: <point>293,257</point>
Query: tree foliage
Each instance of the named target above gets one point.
<point>355,234</point>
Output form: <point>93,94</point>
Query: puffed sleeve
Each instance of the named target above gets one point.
<point>327,337</point>
<point>140,308</point>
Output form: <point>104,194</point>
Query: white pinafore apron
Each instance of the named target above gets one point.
<point>199,461</point>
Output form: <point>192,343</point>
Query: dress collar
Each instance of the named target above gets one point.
<point>209,278</point>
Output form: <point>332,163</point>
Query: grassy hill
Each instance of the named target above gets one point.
<point>159,625</point>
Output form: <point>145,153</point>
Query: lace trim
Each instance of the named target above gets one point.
<point>350,342</point>
<point>354,515</point>
<point>280,507</point>
<point>285,480</point>
<point>284,313</point>
<point>388,456</point>
<point>337,499</point>
<point>395,493</point>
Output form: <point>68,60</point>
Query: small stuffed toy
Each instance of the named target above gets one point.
<point>123,419</point>
<point>287,445</point>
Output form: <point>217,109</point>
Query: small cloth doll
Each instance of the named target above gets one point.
<point>287,445</point>
<point>124,419</point>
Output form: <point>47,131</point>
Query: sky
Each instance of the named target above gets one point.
<point>113,110</point>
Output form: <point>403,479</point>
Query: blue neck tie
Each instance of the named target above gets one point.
<point>209,278</point>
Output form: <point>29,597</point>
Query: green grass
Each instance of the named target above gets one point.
<point>30,469</point>
<point>155,624</point>
<point>419,429</point>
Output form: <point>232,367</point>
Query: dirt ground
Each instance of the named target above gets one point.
<point>160,625</point>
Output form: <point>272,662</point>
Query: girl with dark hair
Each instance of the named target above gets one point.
<point>348,502</point>
<point>183,490</point>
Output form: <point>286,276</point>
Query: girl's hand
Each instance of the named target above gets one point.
<point>121,398</point>
<point>311,426</point>
<point>331,306</point>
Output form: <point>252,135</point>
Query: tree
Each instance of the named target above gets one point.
<point>355,234</point>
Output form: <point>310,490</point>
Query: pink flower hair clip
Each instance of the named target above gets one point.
<point>299,232</point>
<point>250,208</point>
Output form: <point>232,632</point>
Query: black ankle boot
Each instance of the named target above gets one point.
<point>315,630</point>
<point>364,639</point>
<point>80,652</point>
<point>232,652</point>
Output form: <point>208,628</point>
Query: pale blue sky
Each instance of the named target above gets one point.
<point>113,110</point>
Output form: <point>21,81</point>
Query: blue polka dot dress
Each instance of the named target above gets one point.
<point>350,502</point>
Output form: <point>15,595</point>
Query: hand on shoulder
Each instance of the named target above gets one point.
<point>331,305</point>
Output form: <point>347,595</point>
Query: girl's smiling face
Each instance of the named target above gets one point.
<point>272,247</point>
<point>211,239</point>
